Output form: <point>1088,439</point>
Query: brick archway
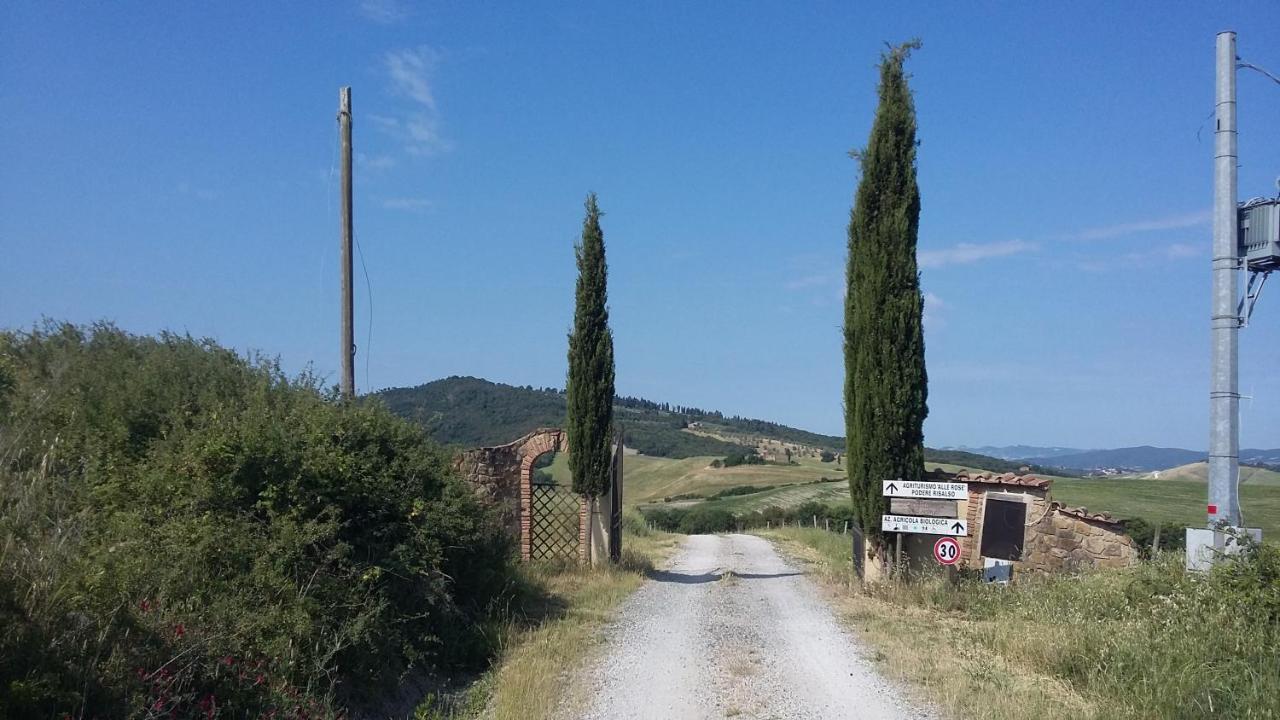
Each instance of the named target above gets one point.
<point>504,475</point>
<point>530,448</point>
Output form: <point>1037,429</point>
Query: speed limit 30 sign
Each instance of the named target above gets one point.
<point>946,551</point>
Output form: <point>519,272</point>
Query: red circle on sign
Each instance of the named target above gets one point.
<point>946,551</point>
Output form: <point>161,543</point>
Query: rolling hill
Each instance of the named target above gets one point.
<point>1145,458</point>
<point>472,412</point>
<point>1199,472</point>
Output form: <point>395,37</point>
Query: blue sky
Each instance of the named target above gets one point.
<point>174,167</point>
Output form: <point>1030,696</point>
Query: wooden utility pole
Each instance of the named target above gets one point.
<point>348,383</point>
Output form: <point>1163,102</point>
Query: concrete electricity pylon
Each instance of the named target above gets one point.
<point>1224,393</point>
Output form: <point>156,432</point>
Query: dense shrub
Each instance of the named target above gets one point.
<point>711,519</point>
<point>187,531</point>
<point>736,459</point>
<point>1172,536</point>
<point>703,520</point>
<point>740,490</point>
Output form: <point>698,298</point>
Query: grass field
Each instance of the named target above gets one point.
<point>649,479</point>
<point>1179,502</point>
<point>1138,643</point>
<point>1165,501</point>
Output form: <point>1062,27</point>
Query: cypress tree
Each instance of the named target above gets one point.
<point>590,384</point>
<point>886,387</point>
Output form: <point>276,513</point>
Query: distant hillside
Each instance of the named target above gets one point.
<point>1019,452</point>
<point>983,462</point>
<point>1199,472</point>
<point>1144,458</point>
<point>1266,458</point>
<point>472,412</point>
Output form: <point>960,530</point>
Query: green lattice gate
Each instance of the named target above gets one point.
<point>553,526</point>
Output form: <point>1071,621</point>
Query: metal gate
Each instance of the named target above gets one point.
<point>553,522</point>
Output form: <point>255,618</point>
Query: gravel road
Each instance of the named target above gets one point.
<point>731,629</point>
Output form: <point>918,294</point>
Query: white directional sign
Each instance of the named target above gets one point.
<point>931,490</point>
<point>924,525</point>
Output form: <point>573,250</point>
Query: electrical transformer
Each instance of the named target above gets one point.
<point>1260,234</point>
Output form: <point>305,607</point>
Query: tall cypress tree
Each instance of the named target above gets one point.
<point>590,383</point>
<point>886,387</point>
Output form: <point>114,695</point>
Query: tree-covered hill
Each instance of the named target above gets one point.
<point>473,412</point>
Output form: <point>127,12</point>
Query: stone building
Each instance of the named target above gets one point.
<point>1013,518</point>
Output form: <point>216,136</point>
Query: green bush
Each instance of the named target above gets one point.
<point>740,490</point>
<point>186,529</point>
<point>704,520</point>
<point>748,458</point>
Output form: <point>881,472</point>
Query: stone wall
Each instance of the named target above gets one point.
<point>503,475</point>
<point>494,472</point>
<point>1057,537</point>
<point>1071,539</point>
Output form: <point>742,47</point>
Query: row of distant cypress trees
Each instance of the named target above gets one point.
<point>886,385</point>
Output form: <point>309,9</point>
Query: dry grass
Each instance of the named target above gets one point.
<point>649,479</point>
<point>948,657</point>
<point>1138,643</point>
<point>536,666</point>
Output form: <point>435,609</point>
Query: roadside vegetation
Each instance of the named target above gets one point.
<point>559,626</point>
<point>188,533</point>
<point>1146,642</point>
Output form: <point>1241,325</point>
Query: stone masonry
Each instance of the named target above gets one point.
<point>504,476</point>
<point>1057,537</point>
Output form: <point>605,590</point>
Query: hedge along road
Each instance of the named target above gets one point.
<point>731,629</point>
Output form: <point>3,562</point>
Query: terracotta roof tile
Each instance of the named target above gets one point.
<point>1084,514</point>
<point>988,478</point>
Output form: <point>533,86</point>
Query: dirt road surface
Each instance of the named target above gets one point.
<point>732,629</point>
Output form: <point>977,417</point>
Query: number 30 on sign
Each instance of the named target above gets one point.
<point>946,551</point>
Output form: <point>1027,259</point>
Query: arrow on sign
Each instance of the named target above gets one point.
<point>925,489</point>
<point>925,525</point>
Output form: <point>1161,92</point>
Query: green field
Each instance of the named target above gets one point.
<point>647,480</point>
<point>650,479</point>
<point>1179,502</point>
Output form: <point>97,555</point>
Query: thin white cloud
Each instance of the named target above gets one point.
<point>1178,251</point>
<point>933,306</point>
<point>409,204</point>
<point>410,73</point>
<point>375,162</point>
<point>1173,222</point>
<point>966,253</point>
<point>186,188</point>
<point>385,12</point>
<point>808,281</point>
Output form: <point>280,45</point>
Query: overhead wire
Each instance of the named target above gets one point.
<point>1242,64</point>
<point>368,288</point>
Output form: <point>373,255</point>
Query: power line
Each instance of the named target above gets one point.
<point>1242,64</point>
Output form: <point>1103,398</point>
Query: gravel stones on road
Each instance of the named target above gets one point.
<point>732,629</point>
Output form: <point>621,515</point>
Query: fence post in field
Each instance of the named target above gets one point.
<point>845,531</point>
<point>1155,542</point>
<point>826,524</point>
<point>815,521</point>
